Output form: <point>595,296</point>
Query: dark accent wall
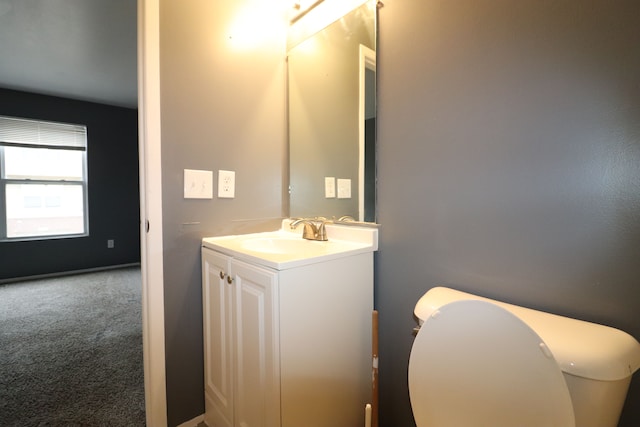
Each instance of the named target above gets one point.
<point>509,165</point>
<point>370,170</point>
<point>114,197</point>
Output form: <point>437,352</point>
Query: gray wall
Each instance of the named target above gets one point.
<point>509,153</point>
<point>508,164</point>
<point>223,107</point>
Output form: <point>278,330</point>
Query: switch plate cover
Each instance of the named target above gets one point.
<point>198,184</point>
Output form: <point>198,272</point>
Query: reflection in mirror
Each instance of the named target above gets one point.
<point>331,89</point>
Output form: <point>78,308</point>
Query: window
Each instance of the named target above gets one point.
<point>43,179</point>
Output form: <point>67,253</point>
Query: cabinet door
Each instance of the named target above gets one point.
<point>257,385</point>
<point>218,343</point>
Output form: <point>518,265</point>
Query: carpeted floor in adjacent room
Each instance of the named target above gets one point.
<point>71,351</point>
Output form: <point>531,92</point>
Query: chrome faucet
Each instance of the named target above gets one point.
<point>311,231</point>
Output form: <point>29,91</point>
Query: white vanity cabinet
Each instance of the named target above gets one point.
<point>240,343</point>
<point>288,347</point>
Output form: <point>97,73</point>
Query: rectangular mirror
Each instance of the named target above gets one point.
<point>332,114</point>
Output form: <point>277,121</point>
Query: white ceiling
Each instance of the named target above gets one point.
<point>79,49</point>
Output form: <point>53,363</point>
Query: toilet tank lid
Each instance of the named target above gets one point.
<point>583,349</point>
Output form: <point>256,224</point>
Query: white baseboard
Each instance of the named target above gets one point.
<point>194,422</point>
<point>66,273</point>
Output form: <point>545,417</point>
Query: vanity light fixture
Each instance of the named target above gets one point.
<point>302,7</point>
<point>255,25</point>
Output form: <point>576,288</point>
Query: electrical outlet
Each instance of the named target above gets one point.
<point>110,243</point>
<point>226,184</point>
<point>329,187</point>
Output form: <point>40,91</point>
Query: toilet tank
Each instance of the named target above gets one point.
<point>597,361</point>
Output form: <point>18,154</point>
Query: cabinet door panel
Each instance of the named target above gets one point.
<point>218,329</point>
<point>256,332</point>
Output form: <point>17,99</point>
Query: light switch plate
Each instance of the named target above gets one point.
<point>198,184</point>
<point>226,184</point>
<point>344,188</point>
<point>329,187</point>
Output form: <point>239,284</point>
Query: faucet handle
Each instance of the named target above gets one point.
<point>310,231</point>
<point>321,233</point>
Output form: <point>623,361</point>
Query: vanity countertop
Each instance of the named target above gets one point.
<point>285,248</point>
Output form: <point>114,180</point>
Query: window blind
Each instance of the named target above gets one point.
<point>39,134</point>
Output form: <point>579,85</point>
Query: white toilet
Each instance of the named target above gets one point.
<point>477,362</point>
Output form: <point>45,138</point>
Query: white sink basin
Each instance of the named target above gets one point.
<point>280,245</point>
<point>285,249</point>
